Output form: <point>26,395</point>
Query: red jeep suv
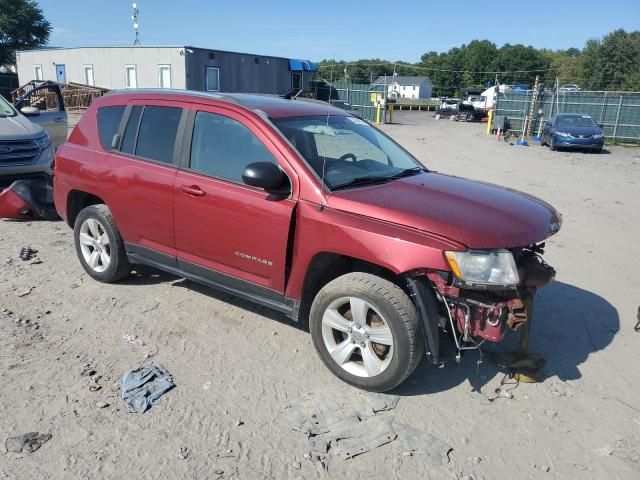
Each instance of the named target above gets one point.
<point>306,209</point>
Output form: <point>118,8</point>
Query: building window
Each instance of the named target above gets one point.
<point>164,74</point>
<point>213,79</point>
<point>37,72</point>
<point>88,75</point>
<point>131,79</point>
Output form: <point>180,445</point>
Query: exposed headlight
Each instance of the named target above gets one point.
<point>598,135</point>
<point>484,267</point>
<point>43,142</point>
<point>563,134</point>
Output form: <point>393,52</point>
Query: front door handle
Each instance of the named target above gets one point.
<point>194,190</point>
<point>61,119</point>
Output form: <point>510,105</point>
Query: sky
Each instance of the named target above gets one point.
<point>344,30</point>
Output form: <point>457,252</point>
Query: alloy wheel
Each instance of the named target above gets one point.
<point>357,337</point>
<point>94,245</point>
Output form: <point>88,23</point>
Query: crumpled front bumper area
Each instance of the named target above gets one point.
<point>30,199</point>
<point>475,316</point>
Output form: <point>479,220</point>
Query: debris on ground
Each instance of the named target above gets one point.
<point>424,444</point>
<point>346,423</point>
<point>88,371</point>
<point>318,411</point>
<point>342,422</point>
<point>183,454</point>
<point>132,339</point>
<point>27,253</point>
<point>27,443</point>
<point>102,404</point>
<point>23,292</point>
<point>143,387</point>
<point>355,436</point>
<point>637,327</point>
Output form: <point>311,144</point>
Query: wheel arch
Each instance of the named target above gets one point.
<point>327,266</point>
<point>76,201</point>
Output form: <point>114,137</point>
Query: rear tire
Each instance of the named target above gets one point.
<point>99,245</point>
<point>349,314</point>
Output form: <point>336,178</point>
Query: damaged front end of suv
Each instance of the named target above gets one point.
<point>485,294</point>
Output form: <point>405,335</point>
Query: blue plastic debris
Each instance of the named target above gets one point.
<point>143,387</point>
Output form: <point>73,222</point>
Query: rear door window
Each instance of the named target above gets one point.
<point>223,147</point>
<point>108,122</point>
<point>157,133</point>
<point>151,132</point>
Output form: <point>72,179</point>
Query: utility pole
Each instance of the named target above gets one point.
<point>136,26</point>
<point>332,64</point>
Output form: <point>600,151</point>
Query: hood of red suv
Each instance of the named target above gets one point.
<point>477,214</point>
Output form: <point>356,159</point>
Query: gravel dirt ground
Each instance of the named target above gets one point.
<point>66,341</point>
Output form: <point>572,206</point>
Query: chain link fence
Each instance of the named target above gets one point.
<point>617,112</point>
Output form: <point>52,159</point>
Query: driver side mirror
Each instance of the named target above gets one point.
<point>265,175</point>
<point>30,111</point>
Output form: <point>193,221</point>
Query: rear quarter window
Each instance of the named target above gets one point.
<point>108,122</point>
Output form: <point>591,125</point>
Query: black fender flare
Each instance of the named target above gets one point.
<point>427,305</point>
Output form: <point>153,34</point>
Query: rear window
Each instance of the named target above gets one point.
<point>108,122</point>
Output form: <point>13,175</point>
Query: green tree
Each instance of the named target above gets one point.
<point>22,26</point>
<point>479,59</point>
<point>612,63</point>
<point>519,64</point>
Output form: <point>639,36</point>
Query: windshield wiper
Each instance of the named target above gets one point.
<point>379,179</point>
<point>407,172</point>
<point>361,181</point>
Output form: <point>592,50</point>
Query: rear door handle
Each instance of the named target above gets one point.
<point>61,119</point>
<point>194,190</point>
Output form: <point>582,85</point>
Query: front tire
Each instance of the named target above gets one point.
<point>366,331</point>
<point>99,245</point>
<point>552,145</point>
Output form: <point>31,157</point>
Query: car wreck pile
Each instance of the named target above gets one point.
<point>28,200</point>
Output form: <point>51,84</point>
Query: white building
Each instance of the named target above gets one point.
<point>166,67</point>
<point>405,87</point>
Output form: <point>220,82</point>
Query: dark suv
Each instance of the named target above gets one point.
<point>308,210</point>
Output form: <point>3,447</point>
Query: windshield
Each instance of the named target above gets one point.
<point>575,121</point>
<point>6,110</point>
<point>348,149</point>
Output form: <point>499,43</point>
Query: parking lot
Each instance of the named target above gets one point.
<point>66,342</point>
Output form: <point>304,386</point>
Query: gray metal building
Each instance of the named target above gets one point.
<point>166,67</point>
